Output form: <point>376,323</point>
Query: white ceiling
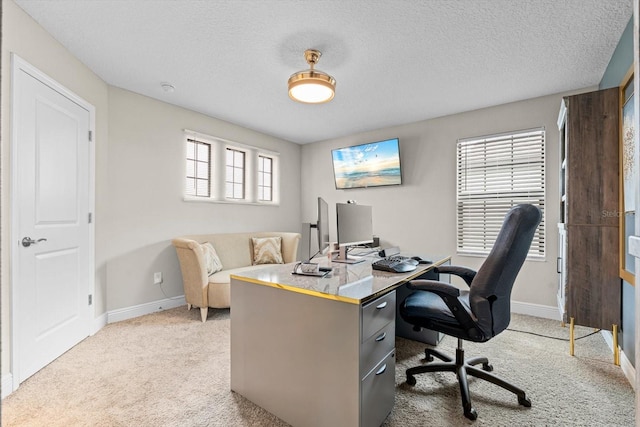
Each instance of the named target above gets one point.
<point>395,61</point>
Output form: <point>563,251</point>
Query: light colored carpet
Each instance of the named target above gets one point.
<point>169,369</point>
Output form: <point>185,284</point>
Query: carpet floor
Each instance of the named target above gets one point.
<point>169,369</point>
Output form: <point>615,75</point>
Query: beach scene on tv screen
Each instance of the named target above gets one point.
<point>367,165</point>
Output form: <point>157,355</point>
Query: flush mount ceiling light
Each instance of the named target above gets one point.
<point>312,86</point>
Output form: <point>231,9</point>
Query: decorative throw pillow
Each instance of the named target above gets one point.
<point>267,250</point>
<point>211,258</point>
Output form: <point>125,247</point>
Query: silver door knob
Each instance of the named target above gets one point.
<point>28,241</point>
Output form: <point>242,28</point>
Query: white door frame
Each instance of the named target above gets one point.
<point>19,65</point>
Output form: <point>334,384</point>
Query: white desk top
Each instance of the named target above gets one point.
<point>351,283</point>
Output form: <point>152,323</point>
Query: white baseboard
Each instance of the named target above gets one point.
<point>536,310</point>
<point>6,385</point>
<point>625,364</point>
<point>628,369</point>
<point>142,309</point>
<point>99,323</point>
<point>608,338</point>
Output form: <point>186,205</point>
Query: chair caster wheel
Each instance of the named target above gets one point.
<point>524,401</point>
<point>411,380</point>
<point>487,367</point>
<point>471,414</point>
<point>427,356</point>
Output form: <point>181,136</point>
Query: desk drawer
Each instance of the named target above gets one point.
<point>377,314</point>
<point>376,348</point>
<point>378,392</point>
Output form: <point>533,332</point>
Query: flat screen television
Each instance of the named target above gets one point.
<point>374,164</point>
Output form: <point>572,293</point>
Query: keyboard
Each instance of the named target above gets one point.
<point>393,265</point>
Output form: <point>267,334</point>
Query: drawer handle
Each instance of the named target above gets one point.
<point>381,336</point>
<point>558,264</point>
<point>381,306</point>
<point>381,370</point>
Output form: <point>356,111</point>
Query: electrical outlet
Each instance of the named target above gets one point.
<point>157,278</point>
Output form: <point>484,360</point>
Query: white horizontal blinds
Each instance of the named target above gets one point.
<point>496,173</point>
<point>198,169</point>
<point>234,182</point>
<point>265,178</point>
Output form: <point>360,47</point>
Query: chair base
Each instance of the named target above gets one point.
<point>462,369</point>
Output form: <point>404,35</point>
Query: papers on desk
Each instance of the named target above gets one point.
<point>301,271</point>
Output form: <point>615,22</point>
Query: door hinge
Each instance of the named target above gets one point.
<point>90,135</point>
<point>90,217</point>
<point>90,299</point>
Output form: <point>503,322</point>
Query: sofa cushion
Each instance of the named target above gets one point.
<point>211,258</point>
<point>267,250</point>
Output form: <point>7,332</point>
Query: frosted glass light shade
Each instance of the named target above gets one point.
<point>311,87</point>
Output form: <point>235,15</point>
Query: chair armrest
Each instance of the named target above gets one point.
<point>194,273</point>
<point>464,273</point>
<point>449,295</point>
<point>434,286</point>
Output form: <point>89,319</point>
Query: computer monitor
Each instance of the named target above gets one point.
<point>322,226</point>
<point>355,227</point>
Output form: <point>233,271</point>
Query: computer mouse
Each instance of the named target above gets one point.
<point>422,261</point>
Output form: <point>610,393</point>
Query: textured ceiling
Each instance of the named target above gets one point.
<point>395,61</point>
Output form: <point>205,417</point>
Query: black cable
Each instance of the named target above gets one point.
<point>554,338</point>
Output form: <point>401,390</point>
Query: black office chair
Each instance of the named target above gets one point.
<point>478,314</point>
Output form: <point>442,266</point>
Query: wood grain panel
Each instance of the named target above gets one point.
<point>593,286</point>
<point>592,158</point>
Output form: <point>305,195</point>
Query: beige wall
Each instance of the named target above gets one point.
<point>420,215</point>
<point>146,210</point>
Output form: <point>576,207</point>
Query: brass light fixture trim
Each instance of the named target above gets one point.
<point>311,86</point>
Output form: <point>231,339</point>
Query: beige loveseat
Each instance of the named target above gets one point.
<point>236,254</point>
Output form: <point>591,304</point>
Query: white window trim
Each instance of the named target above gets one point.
<point>218,170</point>
<point>499,196</point>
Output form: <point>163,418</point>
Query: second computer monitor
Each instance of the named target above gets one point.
<point>322,225</point>
<point>355,226</point>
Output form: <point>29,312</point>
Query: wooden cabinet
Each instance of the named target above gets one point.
<point>589,284</point>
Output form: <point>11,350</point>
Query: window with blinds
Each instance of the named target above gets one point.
<point>495,173</point>
<point>198,169</point>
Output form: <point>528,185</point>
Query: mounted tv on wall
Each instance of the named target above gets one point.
<point>374,164</point>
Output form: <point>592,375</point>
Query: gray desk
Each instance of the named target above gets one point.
<point>317,351</point>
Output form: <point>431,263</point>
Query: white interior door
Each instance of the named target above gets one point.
<point>50,222</point>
